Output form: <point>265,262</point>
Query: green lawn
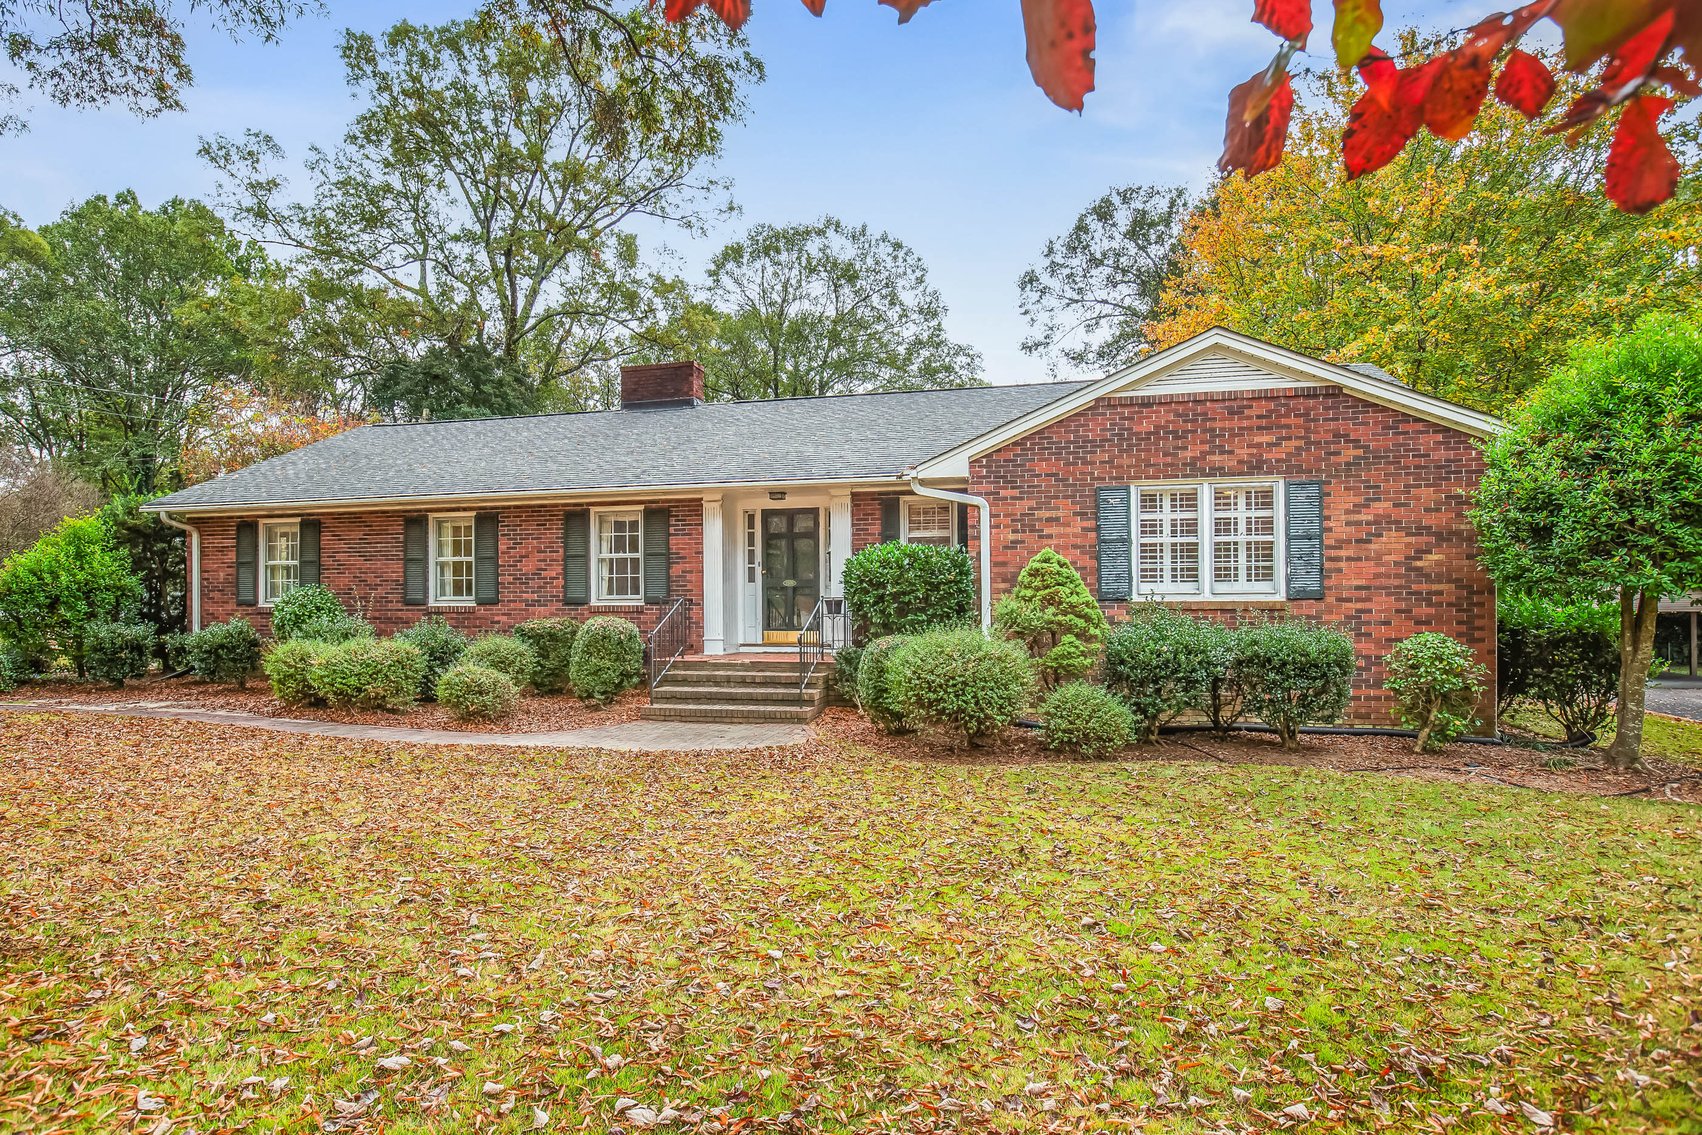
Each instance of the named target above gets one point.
<point>1665,737</point>
<point>242,926</point>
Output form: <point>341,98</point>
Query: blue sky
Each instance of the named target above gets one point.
<point>933,131</point>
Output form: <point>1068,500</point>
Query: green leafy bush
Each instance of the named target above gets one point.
<point>960,679</point>
<point>53,591</point>
<point>367,673</point>
<point>874,684</point>
<point>1085,719</point>
<point>116,651</point>
<point>1294,674</point>
<point>845,662</point>
<point>333,628</point>
<point>14,668</point>
<point>439,643</point>
<point>1161,663</point>
<point>552,641</point>
<point>477,693</point>
<point>289,668</point>
<point>223,652</point>
<point>909,588</point>
<point>608,657</point>
<point>506,655</point>
<point>1052,613</point>
<point>1437,682</point>
<point>1221,699</point>
<point>174,648</point>
<point>300,606</point>
<point>1564,657</point>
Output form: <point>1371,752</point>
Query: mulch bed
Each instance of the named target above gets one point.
<point>1517,764</point>
<point>536,713</point>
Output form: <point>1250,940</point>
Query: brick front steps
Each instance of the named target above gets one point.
<point>736,690</point>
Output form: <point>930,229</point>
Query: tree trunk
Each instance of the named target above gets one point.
<point>1636,649</point>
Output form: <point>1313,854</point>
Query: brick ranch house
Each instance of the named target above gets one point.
<point>1223,475</point>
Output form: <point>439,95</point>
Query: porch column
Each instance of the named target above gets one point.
<point>714,576</point>
<point>838,540</point>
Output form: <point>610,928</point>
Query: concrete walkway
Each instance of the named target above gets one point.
<point>633,736</point>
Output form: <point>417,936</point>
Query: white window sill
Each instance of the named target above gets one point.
<point>453,603</point>
<point>617,602</point>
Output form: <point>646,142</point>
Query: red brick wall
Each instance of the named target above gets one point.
<point>1400,554</point>
<point>361,560</point>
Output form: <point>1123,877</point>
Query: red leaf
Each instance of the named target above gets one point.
<point>1380,75</point>
<point>1524,84</point>
<point>1595,28</point>
<point>816,7</point>
<point>1357,24</point>
<point>1641,171</point>
<point>1060,48</point>
<point>733,13</point>
<point>1384,120</point>
<point>1636,58</point>
<point>906,8</point>
<point>1290,19</point>
<point>1462,80</point>
<point>1257,128</point>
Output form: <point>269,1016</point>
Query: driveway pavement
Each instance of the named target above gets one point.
<point>1677,699</point>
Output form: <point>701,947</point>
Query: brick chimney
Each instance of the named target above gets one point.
<point>660,385</point>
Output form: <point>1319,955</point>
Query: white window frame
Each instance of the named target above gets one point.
<point>598,596</point>
<point>437,598</point>
<point>1208,587</point>
<point>951,533</point>
<point>266,528</point>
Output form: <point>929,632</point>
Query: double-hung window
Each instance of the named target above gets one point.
<point>1207,540</point>
<point>452,559</point>
<point>927,521</point>
<point>619,571</point>
<point>280,547</point>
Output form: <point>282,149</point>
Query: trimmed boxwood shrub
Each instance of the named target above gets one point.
<point>506,655</point>
<point>477,693</point>
<point>1161,663</point>
<point>367,673</point>
<point>299,606</point>
<point>908,588</point>
<point>608,657</point>
<point>116,651</point>
<point>1085,719</point>
<point>223,652</point>
<point>1437,682</point>
<point>552,641</point>
<point>1052,613</point>
<point>961,680</point>
<point>874,684</point>
<point>1220,701</point>
<point>441,645</point>
<point>1295,673</point>
<point>14,668</point>
<point>289,669</point>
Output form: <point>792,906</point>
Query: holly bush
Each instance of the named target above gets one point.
<point>1295,673</point>
<point>1085,719</point>
<point>1437,682</point>
<point>961,680</point>
<point>909,588</point>
<point>1161,663</point>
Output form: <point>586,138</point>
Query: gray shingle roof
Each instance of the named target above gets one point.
<point>794,439</point>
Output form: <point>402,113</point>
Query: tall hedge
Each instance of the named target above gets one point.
<point>909,588</point>
<point>52,592</point>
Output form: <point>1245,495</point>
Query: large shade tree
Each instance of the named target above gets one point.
<point>1595,491</point>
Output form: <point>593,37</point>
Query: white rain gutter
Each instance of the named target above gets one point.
<point>986,548</point>
<point>194,568</point>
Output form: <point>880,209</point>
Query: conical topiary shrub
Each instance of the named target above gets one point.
<point>1052,612</point>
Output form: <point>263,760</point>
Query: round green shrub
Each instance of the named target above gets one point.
<point>224,652</point>
<point>289,668</point>
<point>441,645</point>
<point>1294,673</point>
<point>1052,613</point>
<point>608,657</point>
<point>506,655</point>
<point>961,680</point>
<point>908,588</point>
<point>301,606</point>
<point>1220,701</point>
<point>552,641</point>
<point>52,591</point>
<point>368,673</point>
<point>14,668</point>
<point>874,685</point>
<point>1085,719</point>
<point>477,693</point>
<point>1161,663</point>
<point>333,629</point>
<point>116,651</point>
<point>1437,682</point>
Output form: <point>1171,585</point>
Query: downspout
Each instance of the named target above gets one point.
<point>194,568</point>
<point>985,512</point>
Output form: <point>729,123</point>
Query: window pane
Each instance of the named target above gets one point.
<point>1244,537</point>
<point>620,569</point>
<point>452,544</point>
<point>1167,528</point>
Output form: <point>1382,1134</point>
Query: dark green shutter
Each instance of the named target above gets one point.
<point>576,557</point>
<point>1304,507</point>
<point>309,553</point>
<point>247,563</point>
<point>656,524</point>
<point>416,537</point>
<point>963,526</point>
<point>1116,569</point>
<point>486,568</point>
<point>890,529</point>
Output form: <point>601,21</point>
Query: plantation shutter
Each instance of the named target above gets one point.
<point>247,563</point>
<point>656,521</point>
<point>1304,506</point>
<point>963,526</point>
<point>309,553</point>
<point>1116,578</point>
<point>889,519</point>
<point>576,557</point>
<point>415,536</point>
<point>485,567</point>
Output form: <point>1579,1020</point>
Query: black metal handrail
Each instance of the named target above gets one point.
<point>670,639</point>
<point>827,629</point>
